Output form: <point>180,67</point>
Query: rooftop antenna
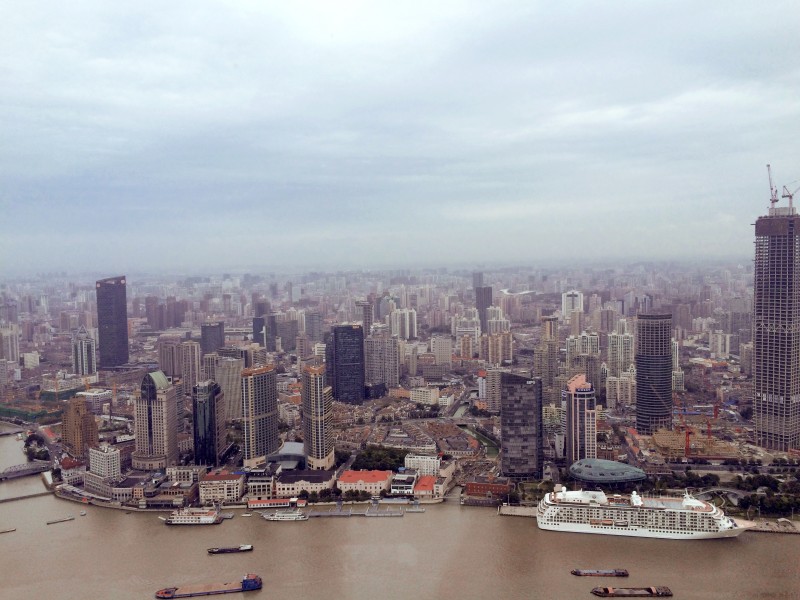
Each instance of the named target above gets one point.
<point>773,191</point>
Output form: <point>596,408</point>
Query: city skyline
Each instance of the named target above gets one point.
<point>363,136</point>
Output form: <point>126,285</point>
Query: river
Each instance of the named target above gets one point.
<point>449,551</point>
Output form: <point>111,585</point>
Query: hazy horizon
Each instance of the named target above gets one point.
<point>208,136</point>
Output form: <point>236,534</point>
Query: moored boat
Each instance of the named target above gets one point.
<point>600,572</point>
<point>660,591</point>
<point>286,515</point>
<point>249,583</point>
<point>64,520</point>
<point>232,549</point>
<point>193,516</point>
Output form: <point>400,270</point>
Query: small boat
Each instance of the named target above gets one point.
<point>600,572</point>
<point>83,513</point>
<point>230,550</point>
<point>247,514</point>
<point>8,530</point>
<point>660,591</point>
<point>65,519</point>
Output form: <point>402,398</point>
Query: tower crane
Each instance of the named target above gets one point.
<point>790,195</point>
<point>773,191</point>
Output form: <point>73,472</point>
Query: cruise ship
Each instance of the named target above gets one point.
<point>634,515</point>
<point>286,515</point>
<point>193,516</point>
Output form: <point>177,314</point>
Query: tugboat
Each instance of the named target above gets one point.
<point>249,583</point>
<point>600,572</point>
<point>230,550</point>
<point>648,592</point>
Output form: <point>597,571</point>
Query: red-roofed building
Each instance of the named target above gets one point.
<point>221,486</point>
<point>372,482</point>
<point>424,487</point>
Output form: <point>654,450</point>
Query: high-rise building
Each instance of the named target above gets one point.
<point>9,343</point>
<point>112,321</point>
<point>483,300</point>
<point>494,390</point>
<point>345,363</point>
<point>190,371</point>
<point>477,279</point>
<point>382,361</point>
<point>316,404</point>
<point>653,372</point>
<point>571,301</point>
<point>84,360</point>
<point>442,349</point>
<point>403,322</point>
<point>522,447</point>
<point>212,336</point>
<point>620,353</point>
<point>314,326</point>
<point>365,306</point>
<point>79,429</point>
<point>155,424</point>
<point>208,417</point>
<point>581,414</point>
<point>776,330</point>
<point>259,329</point>
<point>259,414</point>
<point>229,376</point>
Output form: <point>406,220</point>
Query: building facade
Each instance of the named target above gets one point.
<point>84,356</point>
<point>317,399</point>
<point>581,419</point>
<point>776,330</point>
<point>653,372</point>
<point>155,424</point>
<point>345,363</point>
<point>112,321</point>
<point>522,446</point>
<point>208,418</point>
<point>259,414</point>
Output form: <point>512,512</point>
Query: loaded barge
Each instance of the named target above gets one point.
<point>660,591</point>
<point>242,548</point>
<point>600,572</point>
<point>249,583</point>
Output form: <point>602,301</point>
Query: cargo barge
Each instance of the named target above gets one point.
<point>241,548</point>
<point>600,572</point>
<point>249,583</point>
<point>647,592</point>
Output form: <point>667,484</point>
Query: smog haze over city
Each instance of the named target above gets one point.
<point>227,135</point>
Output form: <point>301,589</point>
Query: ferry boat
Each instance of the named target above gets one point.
<point>634,515</point>
<point>286,515</point>
<point>193,516</point>
<point>230,550</point>
<point>249,583</point>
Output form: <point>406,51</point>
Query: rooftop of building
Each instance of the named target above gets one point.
<point>596,470</point>
<point>221,475</point>
<point>311,476</point>
<point>425,484</point>
<point>365,476</point>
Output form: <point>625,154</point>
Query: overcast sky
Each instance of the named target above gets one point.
<point>218,135</point>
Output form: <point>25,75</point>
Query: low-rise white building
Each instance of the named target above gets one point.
<point>221,486</point>
<point>373,482</point>
<point>423,464</point>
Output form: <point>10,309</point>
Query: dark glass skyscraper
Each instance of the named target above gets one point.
<point>212,337</point>
<point>112,321</point>
<point>653,372</point>
<point>208,417</point>
<point>345,363</point>
<point>259,324</point>
<point>776,330</point>
<point>483,300</point>
<point>522,449</point>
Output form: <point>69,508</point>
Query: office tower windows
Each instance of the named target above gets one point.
<point>776,330</point>
<point>259,414</point>
<point>345,363</point>
<point>521,450</point>
<point>212,336</point>
<point>208,418</point>
<point>316,404</point>
<point>156,424</point>
<point>653,372</point>
<point>112,321</point>
<point>483,300</point>
<point>83,353</point>
<point>581,413</point>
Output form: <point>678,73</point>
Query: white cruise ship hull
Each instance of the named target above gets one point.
<point>641,531</point>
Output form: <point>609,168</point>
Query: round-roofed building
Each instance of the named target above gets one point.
<point>605,472</point>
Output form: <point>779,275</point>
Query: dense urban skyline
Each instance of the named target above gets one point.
<point>362,135</point>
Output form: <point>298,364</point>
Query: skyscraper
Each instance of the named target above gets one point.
<point>79,429</point>
<point>208,417</point>
<point>581,414</point>
<point>653,372</point>
<point>776,330</point>
<point>521,450</point>
<point>345,363</point>
<point>483,300</point>
<point>212,336</point>
<point>317,398</point>
<point>112,321</point>
<point>259,414</point>
<point>84,360</point>
<point>259,327</point>
<point>365,306</point>
<point>155,424</point>
<point>228,372</point>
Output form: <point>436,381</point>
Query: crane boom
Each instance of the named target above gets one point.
<point>773,191</point>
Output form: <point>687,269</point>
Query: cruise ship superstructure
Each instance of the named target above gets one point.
<point>634,515</point>
<point>194,516</point>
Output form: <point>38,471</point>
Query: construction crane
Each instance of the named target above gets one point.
<point>773,191</point>
<point>790,195</point>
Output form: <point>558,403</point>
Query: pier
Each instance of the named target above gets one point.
<point>371,511</point>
